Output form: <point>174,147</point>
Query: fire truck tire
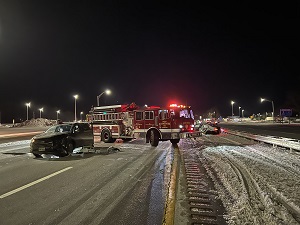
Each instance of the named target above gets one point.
<point>154,138</point>
<point>175,141</point>
<point>106,136</point>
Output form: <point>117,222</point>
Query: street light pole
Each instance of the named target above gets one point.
<point>98,96</point>
<point>41,110</point>
<point>263,99</point>
<point>81,113</point>
<point>232,102</point>
<point>240,111</point>
<point>57,112</point>
<point>75,96</point>
<point>27,106</point>
<point>273,111</point>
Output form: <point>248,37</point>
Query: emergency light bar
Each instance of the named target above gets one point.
<point>178,106</point>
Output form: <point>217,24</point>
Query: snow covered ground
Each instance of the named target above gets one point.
<point>13,149</point>
<point>258,184</point>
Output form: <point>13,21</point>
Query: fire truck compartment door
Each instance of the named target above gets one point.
<point>156,121</point>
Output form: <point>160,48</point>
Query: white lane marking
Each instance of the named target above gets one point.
<point>34,182</point>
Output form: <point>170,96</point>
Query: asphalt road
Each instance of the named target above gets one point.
<point>122,187</point>
<point>266,129</point>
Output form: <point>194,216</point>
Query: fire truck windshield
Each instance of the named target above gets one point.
<point>182,113</point>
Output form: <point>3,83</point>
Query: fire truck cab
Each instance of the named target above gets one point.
<point>153,123</point>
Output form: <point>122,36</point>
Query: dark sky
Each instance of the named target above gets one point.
<point>148,52</point>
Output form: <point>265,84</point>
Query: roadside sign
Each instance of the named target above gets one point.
<point>286,112</point>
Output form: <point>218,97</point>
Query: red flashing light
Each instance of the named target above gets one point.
<point>179,106</point>
<point>154,107</point>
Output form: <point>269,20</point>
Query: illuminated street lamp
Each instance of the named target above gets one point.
<point>57,112</point>
<point>81,114</point>
<point>98,96</point>
<point>41,110</point>
<point>75,97</point>
<point>27,106</point>
<point>232,102</point>
<point>243,113</point>
<point>240,111</point>
<point>263,99</point>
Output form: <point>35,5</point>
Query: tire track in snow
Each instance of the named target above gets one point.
<point>272,206</point>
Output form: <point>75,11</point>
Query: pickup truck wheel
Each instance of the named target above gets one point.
<point>153,138</point>
<point>106,136</point>
<point>67,150</point>
<point>70,147</point>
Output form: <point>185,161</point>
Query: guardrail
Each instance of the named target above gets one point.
<point>292,144</point>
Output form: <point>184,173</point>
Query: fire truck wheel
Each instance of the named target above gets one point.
<point>175,141</point>
<point>106,136</point>
<point>154,138</point>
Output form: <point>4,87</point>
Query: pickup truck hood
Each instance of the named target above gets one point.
<point>49,135</point>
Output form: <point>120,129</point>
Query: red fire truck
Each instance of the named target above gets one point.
<point>153,123</point>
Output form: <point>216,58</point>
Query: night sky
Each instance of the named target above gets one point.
<point>147,52</point>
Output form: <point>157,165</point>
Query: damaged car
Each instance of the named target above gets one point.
<point>208,127</point>
<point>62,139</point>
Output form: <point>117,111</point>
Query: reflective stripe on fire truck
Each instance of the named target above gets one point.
<point>161,130</point>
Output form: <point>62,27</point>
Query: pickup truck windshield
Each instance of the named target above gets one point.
<point>59,128</point>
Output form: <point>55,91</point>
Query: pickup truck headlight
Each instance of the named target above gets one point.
<point>180,126</point>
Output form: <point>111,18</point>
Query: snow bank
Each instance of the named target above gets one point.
<point>39,122</point>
